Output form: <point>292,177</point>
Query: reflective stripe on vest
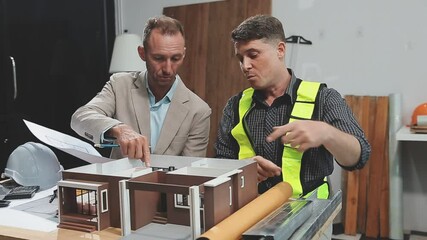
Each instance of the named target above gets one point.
<point>291,158</point>
<point>239,132</point>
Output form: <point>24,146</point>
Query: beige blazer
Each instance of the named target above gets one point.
<point>124,99</point>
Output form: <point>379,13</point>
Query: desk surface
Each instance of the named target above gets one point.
<point>404,134</point>
<point>106,234</point>
<point>321,219</point>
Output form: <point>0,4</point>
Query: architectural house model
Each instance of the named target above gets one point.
<point>185,191</point>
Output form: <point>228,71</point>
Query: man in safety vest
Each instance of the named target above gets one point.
<point>292,128</point>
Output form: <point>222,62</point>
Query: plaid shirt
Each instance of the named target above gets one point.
<point>317,163</point>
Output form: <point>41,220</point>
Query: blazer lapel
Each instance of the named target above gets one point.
<point>174,118</point>
<point>141,105</point>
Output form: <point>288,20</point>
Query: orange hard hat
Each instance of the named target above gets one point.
<point>420,110</point>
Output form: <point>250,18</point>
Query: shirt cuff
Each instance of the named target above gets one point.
<point>108,139</point>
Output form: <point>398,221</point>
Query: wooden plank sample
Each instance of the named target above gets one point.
<point>352,186</point>
<point>377,169</point>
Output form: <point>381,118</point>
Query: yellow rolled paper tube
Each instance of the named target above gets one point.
<point>237,223</point>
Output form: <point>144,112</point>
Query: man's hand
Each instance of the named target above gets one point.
<point>306,134</point>
<point>266,168</point>
<point>132,144</point>
<point>301,135</point>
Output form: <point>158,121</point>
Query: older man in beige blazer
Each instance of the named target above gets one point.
<point>121,111</point>
<point>124,99</point>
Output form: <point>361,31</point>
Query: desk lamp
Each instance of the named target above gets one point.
<point>125,54</point>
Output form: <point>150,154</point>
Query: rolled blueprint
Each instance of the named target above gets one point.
<point>237,223</point>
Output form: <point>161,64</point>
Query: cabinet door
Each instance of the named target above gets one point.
<point>62,50</point>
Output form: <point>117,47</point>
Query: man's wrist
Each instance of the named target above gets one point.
<point>108,135</point>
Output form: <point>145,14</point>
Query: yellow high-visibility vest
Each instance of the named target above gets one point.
<point>291,159</point>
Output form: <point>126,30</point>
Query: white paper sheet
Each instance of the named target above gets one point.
<point>21,219</point>
<point>66,143</point>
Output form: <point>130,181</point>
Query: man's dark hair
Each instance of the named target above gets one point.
<point>259,27</point>
<point>166,25</point>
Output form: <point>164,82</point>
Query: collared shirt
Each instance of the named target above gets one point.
<point>317,163</point>
<point>158,112</point>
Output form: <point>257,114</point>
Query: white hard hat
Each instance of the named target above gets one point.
<point>34,164</point>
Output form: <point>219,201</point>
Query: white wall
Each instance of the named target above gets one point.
<point>359,47</point>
